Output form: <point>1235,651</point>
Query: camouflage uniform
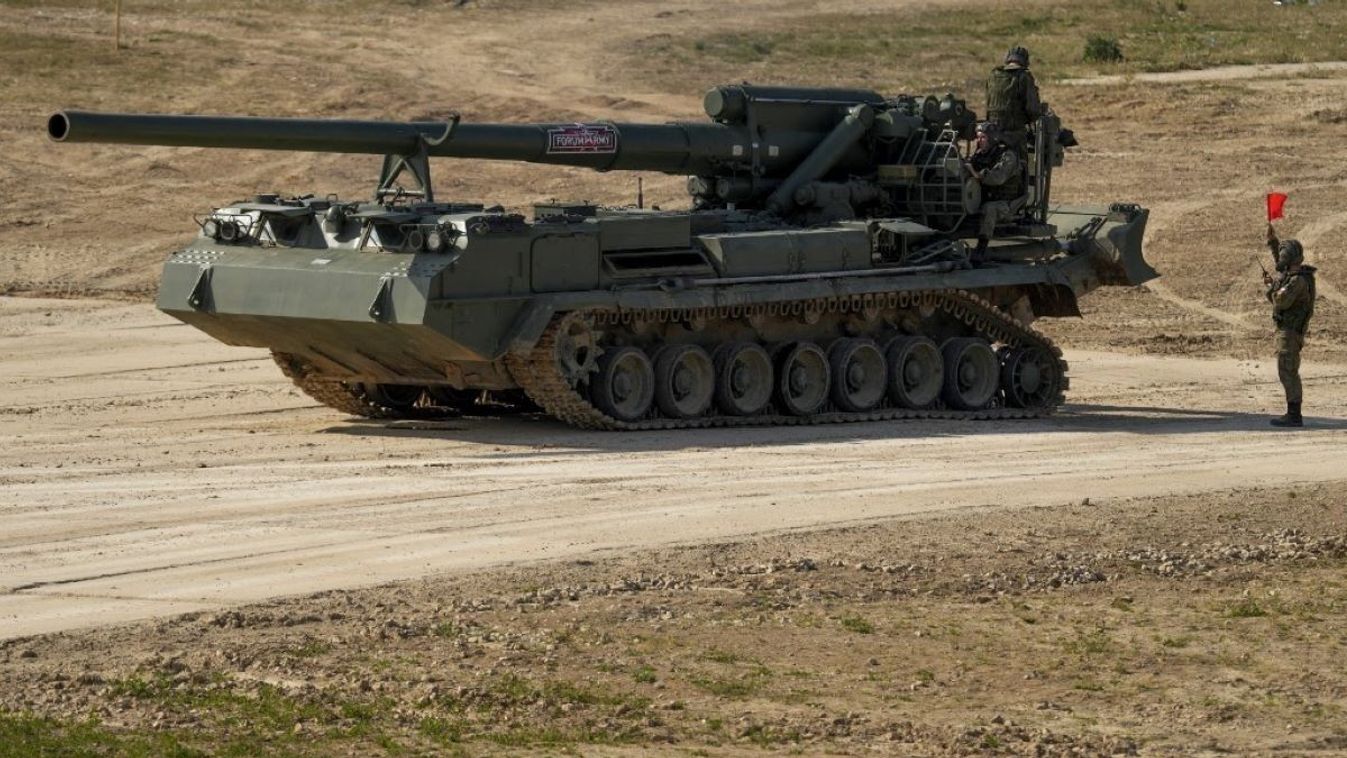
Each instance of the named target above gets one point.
<point>1013,101</point>
<point>1292,297</point>
<point>1002,188</point>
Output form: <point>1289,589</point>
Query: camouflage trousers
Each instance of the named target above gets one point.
<point>997,211</point>
<point>1289,343</point>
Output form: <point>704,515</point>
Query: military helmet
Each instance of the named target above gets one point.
<point>991,129</point>
<point>1018,55</point>
<point>1291,253</point>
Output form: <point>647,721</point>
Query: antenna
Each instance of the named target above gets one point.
<point>640,192</point>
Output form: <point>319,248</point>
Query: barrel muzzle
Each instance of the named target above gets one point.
<point>58,126</point>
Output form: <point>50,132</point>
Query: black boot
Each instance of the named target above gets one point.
<point>1292,417</point>
<point>980,252</point>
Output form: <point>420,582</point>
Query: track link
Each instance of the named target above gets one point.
<point>347,398</point>
<point>539,374</point>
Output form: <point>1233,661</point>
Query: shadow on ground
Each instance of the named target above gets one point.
<point>537,431</point>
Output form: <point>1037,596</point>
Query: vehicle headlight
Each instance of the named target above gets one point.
<point>435,240</point>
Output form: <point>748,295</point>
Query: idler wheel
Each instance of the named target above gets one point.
<point>397,397</point>
<point>972,373</point>
<point>685,381</point>
<point>625,384</point>
<point>916,371</point>
<point>1029,376</point>
<point>859,374</point>
<point>802,378</point>
<point>743,378</point>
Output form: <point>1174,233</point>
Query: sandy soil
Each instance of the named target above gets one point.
<point>148,470</point>
<point>1118,578</point>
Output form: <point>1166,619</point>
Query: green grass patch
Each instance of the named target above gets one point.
<point>446,630</point>
<point>511,691</point>
<point>553,736</point>
<point>765,735</point>
<point>857,624</point>
<point>25,736</point>
<point>1102,50</point>
<point>441,731</point>
<point>1093,642</point>
<point>1247,608</point>
<point>720,656</point>
<point>310,649</point>
<point>497,711</point>
<point>264,710</point>
<point>738,686</point>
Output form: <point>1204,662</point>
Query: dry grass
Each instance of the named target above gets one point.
<point>921,49</point>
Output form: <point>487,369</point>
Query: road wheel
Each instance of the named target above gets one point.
<point>1029,376</point>
<point>859,374</point>
<point>685,381</point>
<point>743,378</point>
<point>916,371</point>
<point>972,373</point>
<point>624,385</point>
<point>803,379</point>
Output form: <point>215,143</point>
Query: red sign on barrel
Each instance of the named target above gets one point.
<point>582,138</point>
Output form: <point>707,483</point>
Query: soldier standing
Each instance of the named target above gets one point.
<point>1292,296</point>
<point>996,167</point>
<point>1012,97</point>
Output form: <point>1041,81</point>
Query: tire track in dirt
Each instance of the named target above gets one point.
<point>206,510</point>
<point>1160,289</point>
<point>1309,235</point>
<point>556,58</point>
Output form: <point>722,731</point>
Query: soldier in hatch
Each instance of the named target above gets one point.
<point>996,167</point>
<point>1292,296</point>
<point>1012,98</point>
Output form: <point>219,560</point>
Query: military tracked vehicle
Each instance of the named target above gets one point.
<point>821,274</point>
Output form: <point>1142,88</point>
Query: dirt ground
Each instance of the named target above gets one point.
<point>197,560</point>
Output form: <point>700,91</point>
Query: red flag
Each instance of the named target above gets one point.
<point>1276,205</point>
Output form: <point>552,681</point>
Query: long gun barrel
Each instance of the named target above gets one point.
<point>670,148</point>
<point>802,118</point>
<point>760,142</point>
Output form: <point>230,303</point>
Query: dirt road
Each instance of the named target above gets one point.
<point>147,470</point>
<point>741,590</point>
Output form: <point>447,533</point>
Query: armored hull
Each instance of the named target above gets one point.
<point>834,286</point>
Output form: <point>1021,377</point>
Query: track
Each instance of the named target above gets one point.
<point>545,385</point>
<point>146,470</point>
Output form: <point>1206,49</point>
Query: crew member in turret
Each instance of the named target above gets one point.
<point>1291,293</point>
<point>995,166</point>
<point>1012,98</point>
